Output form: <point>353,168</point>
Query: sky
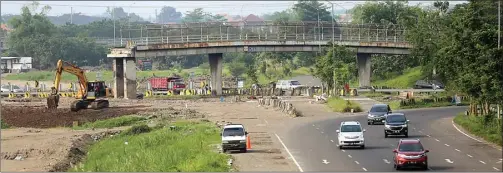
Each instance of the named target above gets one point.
<point>147,9</point>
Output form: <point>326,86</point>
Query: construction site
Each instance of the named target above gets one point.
<point>41,127</point>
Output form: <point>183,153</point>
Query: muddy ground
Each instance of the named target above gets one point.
<point>43,144</point>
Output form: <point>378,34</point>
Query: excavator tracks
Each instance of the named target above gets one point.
<point>78,105</point>
<point>100,104</point>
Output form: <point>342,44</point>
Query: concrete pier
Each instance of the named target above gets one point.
<point>118,75</point>
<point>364,69</point>
<point>129,78</point>
<point>216,63</point>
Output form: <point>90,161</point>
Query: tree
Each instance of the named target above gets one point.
<point>169,14</point>
<point>388,12</point>
<point>312,11</point>
<point>237,68</point>
<point>328,68</point>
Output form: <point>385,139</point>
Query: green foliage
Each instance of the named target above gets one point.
<point>335,65</point>
<point>406,80</point>
<point>136,130</point>
<point>312,11</point>
<point>387,12</point>
<point>487,127</point>
<point>340,105</point>
<point>4,125</point>
<point>236,68</point>
<point>113,122</point>
<point>187,149</point>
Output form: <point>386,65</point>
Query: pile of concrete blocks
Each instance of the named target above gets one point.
<point>280,105</point>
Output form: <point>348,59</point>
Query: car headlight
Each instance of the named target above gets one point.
<point>225,142</point>
<point>242,141</point>
<point>370,115</point>
<point>387,126</point>
<point>401,155</point>
<point>405,125</point>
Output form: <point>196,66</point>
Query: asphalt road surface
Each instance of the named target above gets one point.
<point>314,147</point>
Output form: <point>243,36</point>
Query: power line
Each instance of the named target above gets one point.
<point>140,6</point>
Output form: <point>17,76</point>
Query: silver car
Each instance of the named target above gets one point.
<point>15,88</point>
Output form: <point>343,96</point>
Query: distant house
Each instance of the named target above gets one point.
<point>252,20</point>
<point>15,64</point>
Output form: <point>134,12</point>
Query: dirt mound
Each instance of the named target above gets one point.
<point>37,117</point>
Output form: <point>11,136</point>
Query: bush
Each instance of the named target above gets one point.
<point>487,127</point>
<point>3,124</point>
<point>340,105</point>
<point>113,122</point>
<point>138,129</point>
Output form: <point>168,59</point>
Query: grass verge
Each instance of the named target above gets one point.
<point>406,80</point>
<point>487,127</point>
<point>185,149</point>
<point>4,125</point>
<point>112,122</point>
<point>337,104</point>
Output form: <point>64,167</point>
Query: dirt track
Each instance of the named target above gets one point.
<point>39,117</point>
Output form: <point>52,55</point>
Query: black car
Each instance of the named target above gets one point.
<point>396,124</point>
<point>377,113</point>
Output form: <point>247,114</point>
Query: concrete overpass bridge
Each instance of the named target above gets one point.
<point>214,39</point>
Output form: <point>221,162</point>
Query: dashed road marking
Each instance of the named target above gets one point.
<point>313,125</point>
<point>437,140</point>
<point>386,161</point>
<point>428,136</point>
<point>501,160</point>
<point>288,151</point>
<point>357,162</point>
<point>322,132</point>
<point>266,121</point>
<point>482,162</point>
<point>343,150</point>
<point>457,150</point>
<point>449,161</point>
<point>420,131</point>
<point>469,155</point>
<point>331,140</point>
<point>446,144</point>
<point>350,156</point>
<point>392,145</point>
<point>364,169</point>
<point>496,169</point>
<point>325,162</point>
<point>317,128</point>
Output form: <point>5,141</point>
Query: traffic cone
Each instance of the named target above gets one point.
<point>248,142</point>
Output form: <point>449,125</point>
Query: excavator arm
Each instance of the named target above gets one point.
<point>53,99</point>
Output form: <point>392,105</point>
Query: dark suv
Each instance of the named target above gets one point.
<point>410,153</point>
<point>396,124</point>
<point>377,113</point>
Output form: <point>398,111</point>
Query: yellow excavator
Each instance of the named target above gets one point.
<point>93,93</point>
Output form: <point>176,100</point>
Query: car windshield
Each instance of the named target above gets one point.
<point>395,118</point>
<point>410,147</point>
<point>295,82</point>
<point>351,128</point>
<point>233,132</point>
<point>379,109</point>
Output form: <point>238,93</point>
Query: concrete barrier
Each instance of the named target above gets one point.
<point>280,105</point>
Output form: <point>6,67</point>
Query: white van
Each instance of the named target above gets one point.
<point>234,137</point>
<point>350,133</point>
<point>288,84</point>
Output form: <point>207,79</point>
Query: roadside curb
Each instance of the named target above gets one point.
<point>461,130</point>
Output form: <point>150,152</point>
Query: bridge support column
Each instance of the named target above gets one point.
<point>129,77</point>
<point>118,68</point>
<point>364,69</point>
<point>216,63</point>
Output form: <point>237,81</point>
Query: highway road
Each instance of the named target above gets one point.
<point>313,145</point>
<point>400,90</point>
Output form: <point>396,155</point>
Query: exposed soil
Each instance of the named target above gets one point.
<point>40,117</point>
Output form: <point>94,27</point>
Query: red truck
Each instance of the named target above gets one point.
<point>174,84</point>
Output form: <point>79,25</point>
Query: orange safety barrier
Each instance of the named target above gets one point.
<point>248,142</point>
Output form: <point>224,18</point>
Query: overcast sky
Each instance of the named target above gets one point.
<point>147,9</point>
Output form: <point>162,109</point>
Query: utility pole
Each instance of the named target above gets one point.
<point>499,23</point>
<point>113,19</point>
<point>71,15</point>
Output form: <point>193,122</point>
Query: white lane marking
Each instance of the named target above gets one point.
<point>482,162</point>
<point>392,145</point>
<point>288,151</point>
<point>457,150</point>
<point>414,128</point>
<point>428,136</point>
<point>317,128</point>
<point>322,132</point>
<point>446,144</point>
<point>453,124</point>
<point>496,169</point>
<point>437,140</point>
<point>449,161</point>
<point>430,169</point>
<point>469,155</point>
<point>343,150</point>
<point>364,169</point>
<point>350,156</point>
<point>325,162</point>
<point>420,131</point>
<point>331,140</point>
<point>501,160</point>
<point>357,162</point>
<point>266,121</point>
<point>386,161</point>
<point>313,125</point>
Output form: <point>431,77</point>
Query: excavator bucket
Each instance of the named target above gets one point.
<point>52,101</point>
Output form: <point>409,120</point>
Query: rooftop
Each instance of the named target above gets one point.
<point>234,126</point>
<point>409,141</point>
<point>350,123</point>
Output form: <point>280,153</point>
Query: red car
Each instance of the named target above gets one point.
<point>410,153</point>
